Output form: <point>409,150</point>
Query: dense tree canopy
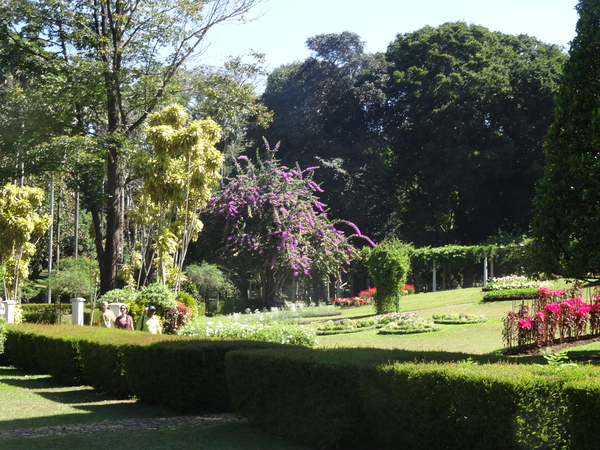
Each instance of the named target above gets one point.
<point>566,227</point>
<point>438,141</point>
<point>322,109</point>
<point>118,61</point>
<point>466,115</point>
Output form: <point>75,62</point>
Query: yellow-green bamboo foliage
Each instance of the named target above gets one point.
<point>19,222</point>
<point>178,168</point>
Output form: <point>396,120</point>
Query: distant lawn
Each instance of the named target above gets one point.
<point>478,339</point>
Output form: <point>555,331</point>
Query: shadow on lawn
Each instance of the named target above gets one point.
<point>80,404</point>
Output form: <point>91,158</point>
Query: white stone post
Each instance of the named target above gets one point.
<point>433,281</point>
<point>115,308</point>
<point>485,271</point>
<point>9,310</point>
<point>77,305</point>
<point>491,267</point>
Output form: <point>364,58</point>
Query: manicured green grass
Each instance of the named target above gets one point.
<point>477,339</point>
<point>32,401</point>
<point>218,437</point>
<point>26,399</point>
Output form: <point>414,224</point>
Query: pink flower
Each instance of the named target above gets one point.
<point>525,324</point>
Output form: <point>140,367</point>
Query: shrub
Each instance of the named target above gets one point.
<point>176,318</point>
<point>389,264</point>
<point>208,278</point>
<point>189,301</point>
<point>76,277</point>
<point>155,294</point>
<point>125,295</point>
<point>511,294</point>
<point>3,325</point>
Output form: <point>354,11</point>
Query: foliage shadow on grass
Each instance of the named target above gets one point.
<point>38,401</point>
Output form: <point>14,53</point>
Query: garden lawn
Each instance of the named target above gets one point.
<point>219,437</point>
<point>478,339</point>
<point>33,401</point>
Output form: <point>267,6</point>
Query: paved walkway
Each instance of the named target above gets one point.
<point>125,425</point>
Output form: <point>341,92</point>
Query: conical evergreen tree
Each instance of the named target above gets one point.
<point>566,224</point>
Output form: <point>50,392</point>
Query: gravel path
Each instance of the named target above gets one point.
<point>125,425</point>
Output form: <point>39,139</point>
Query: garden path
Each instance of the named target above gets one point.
<point>125,425</point>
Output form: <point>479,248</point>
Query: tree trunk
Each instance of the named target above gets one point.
<point>114,225</point>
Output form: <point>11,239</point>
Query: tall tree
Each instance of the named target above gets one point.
<point>466,115</point>
<point>120,60</point>
<point>20,222</point>
<point>177,170</point>
<point>228,96</point>
<point>566,227</point>
<point>322,116</point>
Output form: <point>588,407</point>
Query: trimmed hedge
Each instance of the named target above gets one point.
<point>511,294</point>
<point>362,399</point>
<point>185,373</point>
<point>48,313</point>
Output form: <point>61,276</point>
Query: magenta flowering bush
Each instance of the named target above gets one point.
<point>558,314</point>
<point>275,223</point>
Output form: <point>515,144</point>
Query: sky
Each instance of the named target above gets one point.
<point>281,27</point>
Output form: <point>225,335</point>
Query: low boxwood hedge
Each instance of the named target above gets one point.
<point>369,398</point>
<point>185,373</point>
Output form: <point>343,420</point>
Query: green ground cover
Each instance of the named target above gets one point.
<point>32,401</point>
<point>478,338</point>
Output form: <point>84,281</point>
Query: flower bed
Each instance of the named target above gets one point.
<point>408,289</point>
<point>344,326</point>
<point>514,282</point>
<point>555,315</point>
<point>411,323</point>
<point>280,333</point>
<point>458,319</point>
<point>406,321</point>
<point>363,298</point>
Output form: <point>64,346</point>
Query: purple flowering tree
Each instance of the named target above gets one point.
<point>274,223</point>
